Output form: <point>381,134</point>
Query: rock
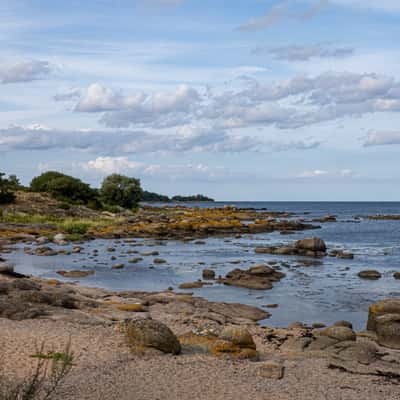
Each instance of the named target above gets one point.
<point>150,253</point>
<point>272,305</point>
<point>191,285</point>
<point>159,261</point>
<point>60,239</point>
<point>42,240</point>
<point>388,330</point>
<point>208,274</point>
<point>271,370</point>
<point>370,274</point>
<point>387,306</point>
<point>134,307</point>
<point>118,266</point>
<point>45,251</point>
<point>313,244</point>
<point>346,324</point>
<point>259,277</point>
<point>339,333</point>
<point>396,275</point>
<point>149,333</point>
<point>135,260</point>
<point>110,249</point>
<point>77,249</point>
<point>345,255</point>
<point>235,342</point>
<point>75,274</point>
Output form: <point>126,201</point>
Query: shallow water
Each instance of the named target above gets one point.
<point>324,293</point>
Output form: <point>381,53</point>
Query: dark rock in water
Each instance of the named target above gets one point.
<point>370,274</point>
<point>75,274</point>
<point>159,261</point>
<point>152,334</point>
<point>259,277</point>
<point>191,285</point>
<point>396,275</point>
<point>45,251</point>
<point>312,244</point>
<point>344,255</point>
<point>384,319</point>
<point>118,266</point>
<point>208,274</point>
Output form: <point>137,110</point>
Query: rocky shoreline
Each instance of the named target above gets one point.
<point>140,329</point>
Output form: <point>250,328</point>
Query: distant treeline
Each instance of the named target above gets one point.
<point>116,191</point>
<point>155,197</point>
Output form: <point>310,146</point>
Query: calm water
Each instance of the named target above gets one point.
<point>324,293</point>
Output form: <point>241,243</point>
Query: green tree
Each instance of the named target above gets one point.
<point>64,187</point>
<point>7,188</point>
<point>120,190</point>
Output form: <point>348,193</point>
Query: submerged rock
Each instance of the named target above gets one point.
<point>208,274</point>
<point>370,274</point>
<point>75,273</point>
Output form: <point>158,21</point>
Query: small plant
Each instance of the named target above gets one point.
<point>50,371</point>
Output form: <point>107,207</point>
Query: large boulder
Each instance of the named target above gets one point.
<point>384,319</point>
<point>149,333</point>
<point>312,244</point>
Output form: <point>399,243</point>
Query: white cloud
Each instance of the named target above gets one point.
<point>24,71</point>
<point>306,53</point>
<point>320,173</point>
<point>381,138</point>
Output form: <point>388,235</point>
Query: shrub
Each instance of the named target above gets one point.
<point>7,188</point>
<point>50,372</point>
<point>63,187</point>
<point>120,190</point>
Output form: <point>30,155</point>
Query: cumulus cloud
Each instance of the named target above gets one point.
<point>71,94</point>
<point>111,143</point>
<point>381,138</point>
<point>24,71</point>
<point>121,164</point>
<point>306,53</point>
<point>162,109</point>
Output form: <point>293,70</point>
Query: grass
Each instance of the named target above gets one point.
<point>75,228</point>
<point>51,370</point>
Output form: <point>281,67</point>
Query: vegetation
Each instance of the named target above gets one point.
<point>120,190</point>
<point>51,370</point>
<point>151,196</point>
<point>7,188</point>
<point>198,197</point>
<point>64,188</point>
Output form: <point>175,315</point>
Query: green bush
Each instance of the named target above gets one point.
<point>63,187</point>
<point>7,188</point>
<point>120,190</point>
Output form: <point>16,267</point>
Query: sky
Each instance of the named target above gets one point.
<point>263,100</point>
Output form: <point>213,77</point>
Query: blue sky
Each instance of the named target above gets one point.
<point>240,100</point>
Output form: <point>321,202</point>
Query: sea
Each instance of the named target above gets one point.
<point>318,294</point>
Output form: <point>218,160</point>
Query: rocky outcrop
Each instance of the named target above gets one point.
<point>310,247</point>
<point>260,277</point>
<point>148,333</point>
<point>384,320</point>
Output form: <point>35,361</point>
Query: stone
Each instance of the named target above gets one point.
<point>149,333</point>
<point>75,273</point>
<point>118,266</point>
<point>271,370</point>
<point>339,333</point>
<point>60,239</point>
<point>346,324</point>
<point>235,342</point>
<point>191,285</point>
<point>388,330</point>
<point>208,274</point>
<point>313,244</point>
<point>370,274</point>
<point>396,275</point>
<point>135,260</point>
<point>159,261</point>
